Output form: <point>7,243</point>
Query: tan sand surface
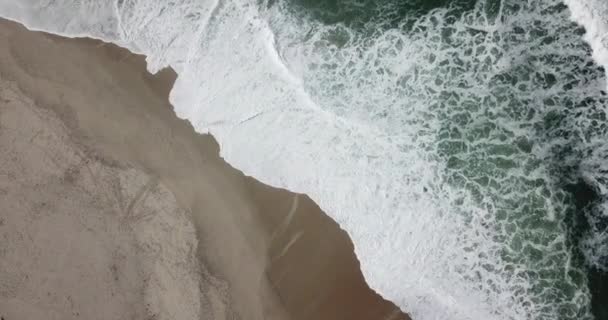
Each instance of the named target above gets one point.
<point>112,208</point>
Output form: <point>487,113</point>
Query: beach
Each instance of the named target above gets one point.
<point>111,207</point>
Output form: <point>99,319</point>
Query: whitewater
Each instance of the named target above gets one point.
<point>462,146</point>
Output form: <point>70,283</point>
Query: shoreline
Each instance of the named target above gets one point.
<point>109,103</point>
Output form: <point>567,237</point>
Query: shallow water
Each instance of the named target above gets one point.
<point>460,143</point>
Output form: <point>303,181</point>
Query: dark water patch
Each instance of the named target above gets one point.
<point>374,13</point>
<point>575,121</point>
<point>598,284</point>
<point>585,197</point>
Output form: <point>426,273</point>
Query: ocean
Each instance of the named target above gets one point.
<point>462,144</point>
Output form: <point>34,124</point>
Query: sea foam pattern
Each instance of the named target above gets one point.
<point>441,144</point>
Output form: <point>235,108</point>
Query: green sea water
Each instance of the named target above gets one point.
<point>521,127</point>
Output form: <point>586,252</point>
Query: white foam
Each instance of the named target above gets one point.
<point>593,15</point>
<point>86,18</point>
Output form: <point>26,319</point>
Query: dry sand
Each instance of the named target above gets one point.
<point>112,208</point>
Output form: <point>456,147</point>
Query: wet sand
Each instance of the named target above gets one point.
<point>114,208</point>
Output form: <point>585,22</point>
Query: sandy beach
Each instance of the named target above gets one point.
<point>113,208</point>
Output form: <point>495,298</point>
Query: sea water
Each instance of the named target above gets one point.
<point>462,144</point>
